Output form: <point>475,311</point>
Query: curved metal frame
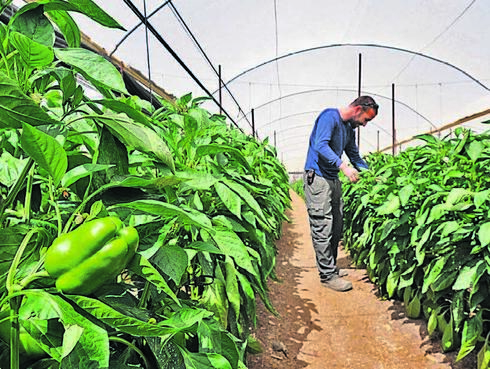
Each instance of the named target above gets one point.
<point>358,45</point>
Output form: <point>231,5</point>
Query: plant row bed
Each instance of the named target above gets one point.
<point>130,236</point>
<point>420,223</point>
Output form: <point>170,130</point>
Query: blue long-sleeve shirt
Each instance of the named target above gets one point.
<point>330,137</point>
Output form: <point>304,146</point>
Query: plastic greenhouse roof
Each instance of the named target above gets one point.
<point>288,60</point>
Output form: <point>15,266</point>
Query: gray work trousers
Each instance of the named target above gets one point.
<point>324,203</point>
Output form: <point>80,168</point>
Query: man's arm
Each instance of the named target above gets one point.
<point>352,152</point>
<point>324,135</point>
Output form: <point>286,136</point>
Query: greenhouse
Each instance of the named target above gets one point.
<point>244,184</point>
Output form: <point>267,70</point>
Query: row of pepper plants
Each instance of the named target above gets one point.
<point>187,207</point>
<point>420,223</point>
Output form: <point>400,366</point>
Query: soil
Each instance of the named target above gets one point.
<point>317,328</point>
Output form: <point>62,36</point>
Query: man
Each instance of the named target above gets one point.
<point>332,135</point>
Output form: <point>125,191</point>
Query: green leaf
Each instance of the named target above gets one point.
<point>472,330</point>
<point>230,244</point>
<point>484,353</point>
<point>197,180</point>
<point>10,168</point>
<point>141,138</point>
<point>457,310</point>
<point>230,223</point>
<point>432,323</point>
<point>142,267</point>
<point>449,228</point>
<point>89,8</point>
<point>390,206</point>
<point>33,54</point>
<point>213,339</point>
<point>391,283</point>
<point>444,280</point>
<point>204,246</point>
<point>214,298</point>
<point>433,272</point>
<point>405,194</point>
<point>456,195</point>
<point>481,197</point>
<point>204,361</point>
<point>254,346</point>
<point>122,107</point>
<point>45,151</point>
<point>169,211</point>
<point>94,67</point>
<point>213,149</point>
<point>33,24</point>
<point>172,260</point>
<point>67,26</point>
<point>475,150</point>
<point>484,234</point>
<point>419,251</point>
<point>448,338</point>
<point>39,315</point>
<point>413,308</point>
<point>232,286</point>
<point>231,200</point>
<point>468,275</point>
<point>248,296</point>
<point>81,171</point>
<point>246,196</point>
<point>183,320</point>
<point>16,108</point>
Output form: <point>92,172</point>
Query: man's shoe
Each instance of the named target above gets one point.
<point>337,284</point>
<point>341,272</point>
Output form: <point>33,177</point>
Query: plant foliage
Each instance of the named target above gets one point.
<point>420,223</point>
<point>207,200</point>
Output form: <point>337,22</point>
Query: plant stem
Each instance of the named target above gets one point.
<point>131,346</point>
<point>28,199</point>
<point>15,263</point>
<point>15,190</point>
<point>14,333</point>
<point>144,295</point>
<point>56,207</point>
<point>32,277</point>
<point>80,207</point>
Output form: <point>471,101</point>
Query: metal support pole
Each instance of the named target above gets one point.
<point>377,141</point>
<point>275,139</point>
<point>359,94</point>
<point>360,76</point>
<point>393,128</point>
<point>253,123</point>
<point>220,85</point>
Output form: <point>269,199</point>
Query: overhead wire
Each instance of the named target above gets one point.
<point>196,42</point>
<point>277,54</point>
<point>460,15</point>
<point>137,26</point>
<point>162,41</point>
<point>148,63</point>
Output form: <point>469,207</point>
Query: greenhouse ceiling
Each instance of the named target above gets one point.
<point>286,61</point>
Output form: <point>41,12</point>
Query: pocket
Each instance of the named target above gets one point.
<point>315,195</point>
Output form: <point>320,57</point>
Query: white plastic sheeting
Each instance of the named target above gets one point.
<point>288,60</point>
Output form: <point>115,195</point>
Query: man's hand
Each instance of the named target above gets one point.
<point>349,172</point>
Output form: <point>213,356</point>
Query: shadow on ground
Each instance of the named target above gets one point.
<point>293,323</point>
<point>290,328</point>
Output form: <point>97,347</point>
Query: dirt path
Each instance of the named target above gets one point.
<point>323,329</point>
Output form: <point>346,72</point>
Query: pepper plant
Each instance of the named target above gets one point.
<point>420,223</point>
<point>206,200</point>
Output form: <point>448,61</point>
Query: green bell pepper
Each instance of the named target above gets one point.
<point>96,252</point>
